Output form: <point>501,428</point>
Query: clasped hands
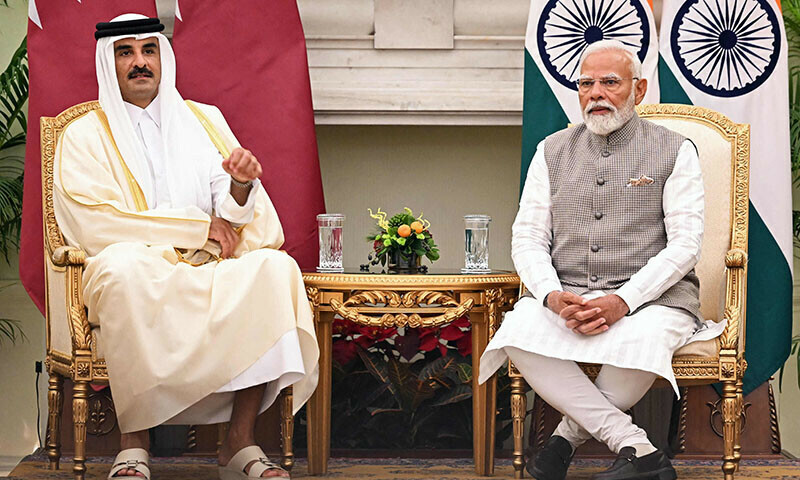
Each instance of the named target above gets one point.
<point>587,317</point>
<point>243,167</point>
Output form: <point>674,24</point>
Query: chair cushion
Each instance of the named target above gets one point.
<point>707,348</point>
<point>97,351</point>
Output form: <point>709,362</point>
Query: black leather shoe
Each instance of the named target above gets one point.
<point>627,466</point>
<point>552,461</point>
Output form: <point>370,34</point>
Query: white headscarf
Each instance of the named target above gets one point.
<point>189,153</point>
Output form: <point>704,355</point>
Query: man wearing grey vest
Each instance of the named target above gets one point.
<point>608,232</point>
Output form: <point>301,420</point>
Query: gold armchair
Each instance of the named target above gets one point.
<point>74,347</point>
<point>724,149</point>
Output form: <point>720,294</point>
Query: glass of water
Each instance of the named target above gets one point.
<point>330,242</point>
<point>476,244</point>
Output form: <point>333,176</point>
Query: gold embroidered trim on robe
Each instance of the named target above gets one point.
<point>138,195</point>
<point>215,137</point>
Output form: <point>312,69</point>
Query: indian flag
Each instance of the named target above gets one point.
<point>731,56</point>
<point>558,33</point>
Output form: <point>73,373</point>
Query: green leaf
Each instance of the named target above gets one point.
<point>377,411</point>
<point>465,372</point>
<point>13,127</point>
<point>10,329</point>
<point>459,393</point>
<point>377,366</point>
<point>421,236</point>
<point>436,368</point>
<point>401,241</point>
<point>13,94</point>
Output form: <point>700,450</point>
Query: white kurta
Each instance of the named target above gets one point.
<point>645,340</point>
<point>172,333</point>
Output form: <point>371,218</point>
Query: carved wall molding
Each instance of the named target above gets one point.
<point>476,82</point>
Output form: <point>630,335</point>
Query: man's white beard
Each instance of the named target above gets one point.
<point>605,124</point>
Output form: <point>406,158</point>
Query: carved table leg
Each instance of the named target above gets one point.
<point>80,412</point>
<point>484,397</point>
<point>319,406</point>
<point>287,428</point>
<point>518,409</point>
<point>55,406</point>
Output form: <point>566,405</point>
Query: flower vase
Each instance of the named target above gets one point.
<point>400,264</point>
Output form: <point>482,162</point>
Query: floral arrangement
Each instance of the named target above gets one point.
<point>413,386</point>
<point>412,382</point>
<point>407,343</point>
<point>401,234</point>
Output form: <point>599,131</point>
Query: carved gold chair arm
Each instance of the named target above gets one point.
<point>73,259</point>
<point>65,256</point>
<point>413,320</point>
<point>735,263</point>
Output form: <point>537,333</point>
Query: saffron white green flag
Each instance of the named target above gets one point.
<point>558,33</point>
<point>731,56</point>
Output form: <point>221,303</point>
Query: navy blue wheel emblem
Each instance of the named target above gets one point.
<point>726,48</point>
<point>567,27</point>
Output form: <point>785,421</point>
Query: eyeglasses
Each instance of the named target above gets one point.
<point>610,84</point>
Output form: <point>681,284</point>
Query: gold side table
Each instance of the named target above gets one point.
<point>422,300</point>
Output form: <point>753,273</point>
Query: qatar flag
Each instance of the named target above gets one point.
<point>248,58</point>
<point>61,60</point>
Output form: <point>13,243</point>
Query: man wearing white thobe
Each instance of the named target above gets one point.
<point>609,229</point>
<point>202,319</point>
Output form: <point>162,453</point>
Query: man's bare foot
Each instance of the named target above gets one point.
<point>140,439</point>
<point>232,446</point>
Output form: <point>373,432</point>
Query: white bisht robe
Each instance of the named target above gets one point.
<point>177,330</point>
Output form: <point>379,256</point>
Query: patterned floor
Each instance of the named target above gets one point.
<point>186,468</point>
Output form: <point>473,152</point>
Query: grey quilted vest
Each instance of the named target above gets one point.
<point>603,230</point>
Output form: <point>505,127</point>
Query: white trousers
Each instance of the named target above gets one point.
<point>590,409</point>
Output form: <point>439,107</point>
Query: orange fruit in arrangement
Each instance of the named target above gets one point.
<point>417,227</point>
<point>404,230</point>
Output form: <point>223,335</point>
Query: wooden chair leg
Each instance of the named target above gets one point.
<point>55,407</point>
<point>287,428</point>
<point>730,412</point>
<point>518,409</point>
<point>222,432</point>
<point>80,412</point>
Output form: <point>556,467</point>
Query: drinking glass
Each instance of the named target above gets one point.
<point>476,244</point>
<point>330,242</point>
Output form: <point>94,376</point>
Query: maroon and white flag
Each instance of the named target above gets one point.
<point>248,58</point>
<point>61,51</point>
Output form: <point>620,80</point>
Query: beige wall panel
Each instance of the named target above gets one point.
<point>445,172</point>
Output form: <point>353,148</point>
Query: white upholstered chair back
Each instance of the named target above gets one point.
<point>716,138</point>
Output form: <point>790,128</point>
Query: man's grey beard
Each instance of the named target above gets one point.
<point>610,122</point>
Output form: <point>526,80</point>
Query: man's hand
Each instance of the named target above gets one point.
<point>597,315</point>
<point>558,300</point>
<point>221,231</point>
<point>580,317</point>
<point>242,165</point>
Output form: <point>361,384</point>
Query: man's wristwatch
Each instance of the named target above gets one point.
<point>239,184</point>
